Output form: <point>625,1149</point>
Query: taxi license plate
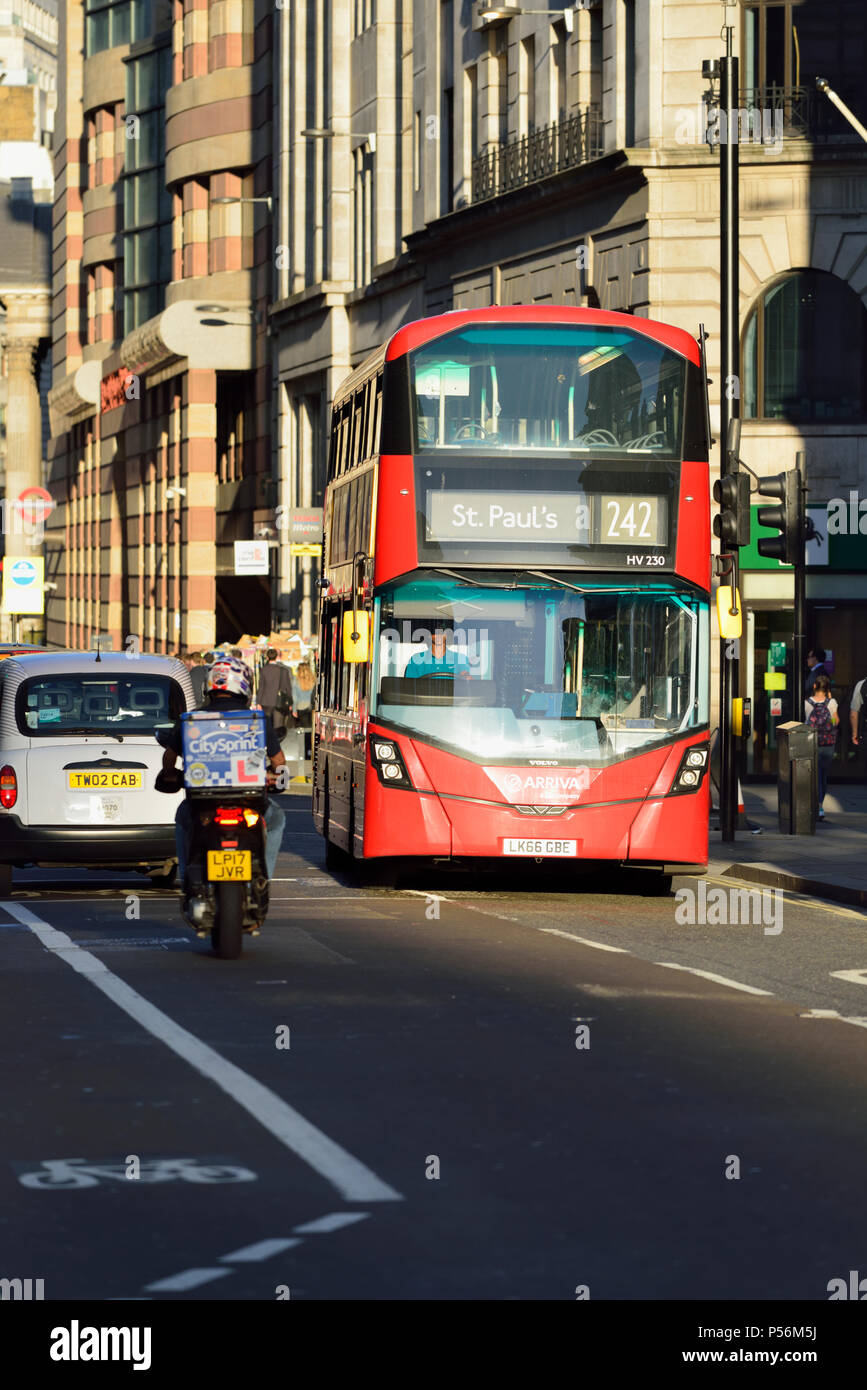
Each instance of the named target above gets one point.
<point>230,864</point>
<point>119,780</point>
<point>547,849</point>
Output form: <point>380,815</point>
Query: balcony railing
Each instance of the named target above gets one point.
<point>796,113</point>
<point>562,145</point>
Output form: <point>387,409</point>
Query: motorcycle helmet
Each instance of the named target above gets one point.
<point>229,676</point>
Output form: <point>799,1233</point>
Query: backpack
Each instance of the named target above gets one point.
<point>820,720</point>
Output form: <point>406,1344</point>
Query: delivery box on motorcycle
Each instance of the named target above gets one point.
<point>224,749</point>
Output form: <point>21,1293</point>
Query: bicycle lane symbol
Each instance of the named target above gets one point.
<point>74,1174</point>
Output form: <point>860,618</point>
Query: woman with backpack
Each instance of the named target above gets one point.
<point>820,713</point>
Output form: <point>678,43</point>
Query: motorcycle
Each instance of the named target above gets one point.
<point>226,886</point>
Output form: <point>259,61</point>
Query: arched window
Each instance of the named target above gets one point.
<point>805,351</point>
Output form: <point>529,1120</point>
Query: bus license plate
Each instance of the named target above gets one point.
<point>230,864</point>
<point>117,781</point>
<point>557,849</point>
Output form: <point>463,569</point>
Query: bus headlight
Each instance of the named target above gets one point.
<point>691,771</point>
<point>388,764</point>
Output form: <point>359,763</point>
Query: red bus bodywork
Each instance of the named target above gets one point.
<point>627,812</point>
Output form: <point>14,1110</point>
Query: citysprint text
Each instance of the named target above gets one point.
<point>77,1343</point>
<point>749,126</point>
<point>730,907</point>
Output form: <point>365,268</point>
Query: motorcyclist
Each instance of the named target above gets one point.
<point>229,686</point>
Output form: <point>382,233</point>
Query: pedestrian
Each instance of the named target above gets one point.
<point>274,693</point>
<point>857,711</point>
<point>820,713</point>
<point>303,687</point>
<point>202,661</point>
<point>816,657</point>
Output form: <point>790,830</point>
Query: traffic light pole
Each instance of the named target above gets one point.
<point>800,614</point>
<point>729,398</point>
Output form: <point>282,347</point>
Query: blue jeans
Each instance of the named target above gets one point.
<point>275,819</point>
<point>824,767</point>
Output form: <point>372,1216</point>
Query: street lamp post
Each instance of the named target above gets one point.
<point>827,90</point>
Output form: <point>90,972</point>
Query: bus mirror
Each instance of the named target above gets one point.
<point>356,635</point>
<point>730,622</point>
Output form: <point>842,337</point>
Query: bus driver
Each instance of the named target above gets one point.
<point>439,659</point>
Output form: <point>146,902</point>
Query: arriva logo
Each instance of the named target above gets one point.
<point>558,784</point>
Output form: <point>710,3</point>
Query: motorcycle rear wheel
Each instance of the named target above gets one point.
<point>227,933</point>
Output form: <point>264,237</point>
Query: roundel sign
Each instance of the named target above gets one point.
<point>35,504</point>
<point>22,573</point>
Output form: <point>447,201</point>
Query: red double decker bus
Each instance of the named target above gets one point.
<point>514,623</point>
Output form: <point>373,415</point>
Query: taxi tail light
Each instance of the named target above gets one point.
<point>8,787</point>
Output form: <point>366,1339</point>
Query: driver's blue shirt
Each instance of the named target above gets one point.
<point>452,662</point>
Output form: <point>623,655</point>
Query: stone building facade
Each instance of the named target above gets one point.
<point>161,411</point>
<point>437,155</point>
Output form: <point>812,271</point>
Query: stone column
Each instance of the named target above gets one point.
<point>23,461</point>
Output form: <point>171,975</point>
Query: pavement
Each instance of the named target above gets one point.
<point>830,864</point>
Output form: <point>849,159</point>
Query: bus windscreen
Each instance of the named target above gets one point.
<point>534,670</point>
<point>584,388</point>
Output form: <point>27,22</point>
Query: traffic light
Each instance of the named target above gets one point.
<point>787,518</point>
<point>732,526</point>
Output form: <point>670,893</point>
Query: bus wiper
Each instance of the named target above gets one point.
<point>94,733</point>
<point>474,583</point>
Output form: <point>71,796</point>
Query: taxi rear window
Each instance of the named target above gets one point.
<point>134,703</point>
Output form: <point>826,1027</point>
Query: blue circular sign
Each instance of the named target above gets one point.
<point>23,572</point>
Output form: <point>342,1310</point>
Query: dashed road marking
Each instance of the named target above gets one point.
<point>854,977</point>
<point>582,940</point>
<point>253,1254</point>
<point>717,979</point>
<point>325,1224</point>
<point>262,1250</point>
<point>187,1279</point>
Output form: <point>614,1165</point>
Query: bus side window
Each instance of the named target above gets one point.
<point>377,414</point>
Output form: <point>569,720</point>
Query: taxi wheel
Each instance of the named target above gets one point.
<point>5,878</point>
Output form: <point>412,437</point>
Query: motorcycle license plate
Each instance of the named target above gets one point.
<point>230,864</point>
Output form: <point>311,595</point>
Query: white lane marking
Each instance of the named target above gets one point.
<point>333,1222</point>
<point>352,1179</point>
<point>187,1279</point>
<point>262,1250</point>
<point>717,979</point>
<point>832,1013</point>
<point>855,977</point>
<point>582,940</point>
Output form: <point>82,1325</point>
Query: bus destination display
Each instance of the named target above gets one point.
<point>558,518</point>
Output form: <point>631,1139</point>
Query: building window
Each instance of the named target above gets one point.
<point>629,73</point>
<point>447,107</point>
<point>147,204</point>
<point>365,217</point>
<point>528,84</point>
<point>111,23</point>
<point>787,43</point>
<point>805,351</point>
<point>559,56</point>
